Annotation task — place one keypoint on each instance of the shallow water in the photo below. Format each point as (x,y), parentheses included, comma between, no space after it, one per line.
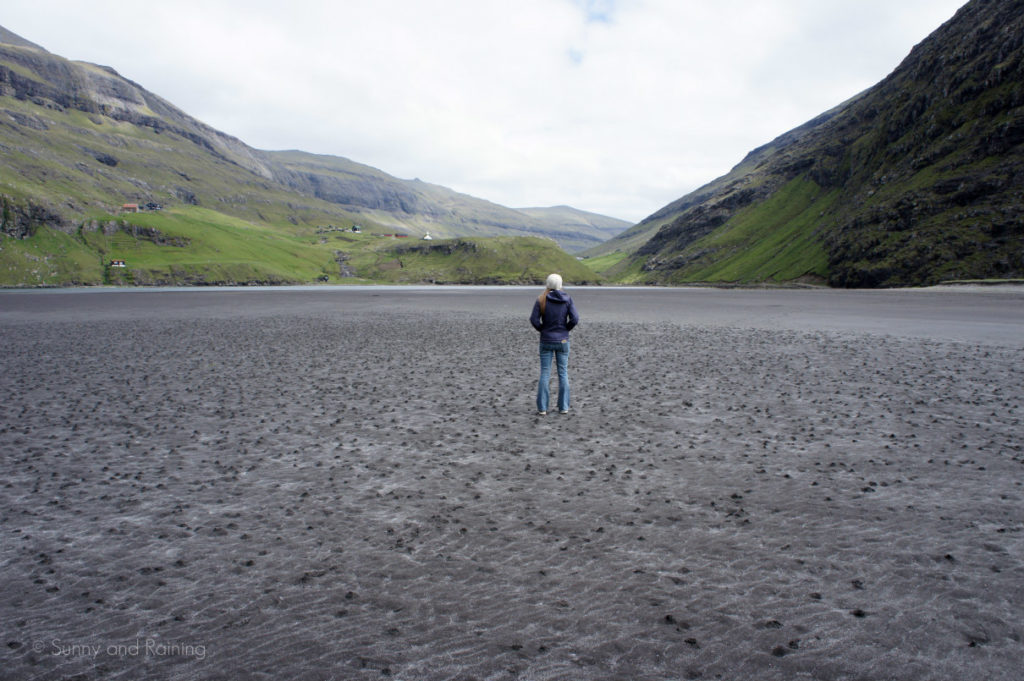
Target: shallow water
(991,315)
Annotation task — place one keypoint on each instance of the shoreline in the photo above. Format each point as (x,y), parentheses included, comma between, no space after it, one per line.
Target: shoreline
(988,315)
(1012,285)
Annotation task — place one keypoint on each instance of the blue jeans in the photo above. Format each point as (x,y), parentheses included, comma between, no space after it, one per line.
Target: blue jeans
(560,353)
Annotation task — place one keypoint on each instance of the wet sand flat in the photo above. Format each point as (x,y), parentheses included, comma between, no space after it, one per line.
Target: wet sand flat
(352,484)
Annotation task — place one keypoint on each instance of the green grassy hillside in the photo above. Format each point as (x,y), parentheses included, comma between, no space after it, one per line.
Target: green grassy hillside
(477,260)
(771,241)
(78,142)
(191,245)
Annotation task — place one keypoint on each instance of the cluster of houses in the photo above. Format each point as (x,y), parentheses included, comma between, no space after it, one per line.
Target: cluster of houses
(139,207)
(355,229)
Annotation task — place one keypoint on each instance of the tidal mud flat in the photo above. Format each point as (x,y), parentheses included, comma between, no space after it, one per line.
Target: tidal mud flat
(353,485)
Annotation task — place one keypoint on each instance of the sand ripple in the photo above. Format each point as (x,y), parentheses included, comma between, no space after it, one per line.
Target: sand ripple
(366,496)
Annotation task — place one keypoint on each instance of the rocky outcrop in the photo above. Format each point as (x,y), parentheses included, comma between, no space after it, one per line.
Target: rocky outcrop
(344,269)
(150,234)
(22,219)
(446,247)
(356,191)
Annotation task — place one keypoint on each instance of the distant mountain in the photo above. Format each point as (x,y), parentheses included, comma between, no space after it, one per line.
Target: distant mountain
(420,207)
(918,180)
(78,141)
(579,228)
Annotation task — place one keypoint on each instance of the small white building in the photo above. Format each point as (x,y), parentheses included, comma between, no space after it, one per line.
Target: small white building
(427,237)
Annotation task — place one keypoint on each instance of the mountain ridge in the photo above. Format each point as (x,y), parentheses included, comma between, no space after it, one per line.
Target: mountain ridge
(437,209)
(79,140)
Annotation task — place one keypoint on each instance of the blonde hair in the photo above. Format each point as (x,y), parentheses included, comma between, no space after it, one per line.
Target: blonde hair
(554,282)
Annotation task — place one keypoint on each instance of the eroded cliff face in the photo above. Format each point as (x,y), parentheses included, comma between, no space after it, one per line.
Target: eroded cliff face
(52,82)
(19,220)
(921,176)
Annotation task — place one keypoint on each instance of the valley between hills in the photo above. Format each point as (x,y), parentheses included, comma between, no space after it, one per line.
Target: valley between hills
(916,181)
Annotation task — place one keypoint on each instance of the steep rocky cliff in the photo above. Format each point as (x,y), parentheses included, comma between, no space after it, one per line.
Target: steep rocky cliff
(918,180)
(33,75)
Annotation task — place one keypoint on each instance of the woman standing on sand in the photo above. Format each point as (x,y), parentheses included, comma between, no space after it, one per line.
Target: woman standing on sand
(554,315)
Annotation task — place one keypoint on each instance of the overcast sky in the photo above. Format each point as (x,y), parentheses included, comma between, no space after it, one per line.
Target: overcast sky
(612,106)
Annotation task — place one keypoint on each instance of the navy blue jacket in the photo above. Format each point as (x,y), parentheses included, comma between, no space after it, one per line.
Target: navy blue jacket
(560,317)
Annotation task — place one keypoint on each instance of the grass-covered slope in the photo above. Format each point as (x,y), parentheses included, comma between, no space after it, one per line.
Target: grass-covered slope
(771,241)
(184,245)
(196,246)
(468,260)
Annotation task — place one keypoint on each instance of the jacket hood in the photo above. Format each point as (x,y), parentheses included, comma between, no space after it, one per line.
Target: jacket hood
(558,295)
